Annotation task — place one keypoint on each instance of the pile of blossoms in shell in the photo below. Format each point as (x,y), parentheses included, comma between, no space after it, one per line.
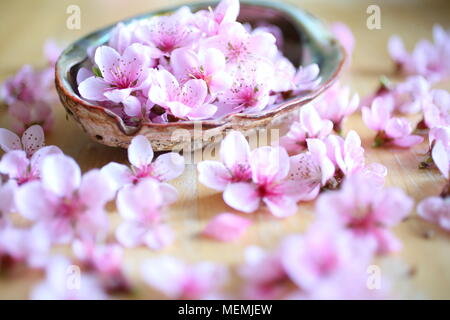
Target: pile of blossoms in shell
(192,66)
(204,65)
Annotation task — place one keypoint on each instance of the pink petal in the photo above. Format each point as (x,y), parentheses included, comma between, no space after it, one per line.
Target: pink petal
(168,166)
(9,140)
(441,158)
(396,49)
(204,111)
(14,164)
(40,155)
(179,109)
(33,139)
(7,192)
(221,81)
(95,190)
(140,152)
(31,201)
(408,141)
(397,128)
(132,202)
(281,206)
(108,60)
(269,164)
(226,227)
(133,107)
(432,208)
(310,119)
(60,174)
(213,174)
(93,88)
(183,61)
(194,93)
(234,149)
(118,174)
(227,11)
(214,61)
(169,193)
(242,197)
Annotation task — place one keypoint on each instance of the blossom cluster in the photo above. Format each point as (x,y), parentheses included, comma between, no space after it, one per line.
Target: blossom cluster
(429,59)
(204,65)
(30,93)
(192,66)
(64,206)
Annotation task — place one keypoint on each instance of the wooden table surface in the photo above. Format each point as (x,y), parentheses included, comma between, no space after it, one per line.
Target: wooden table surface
(420,270)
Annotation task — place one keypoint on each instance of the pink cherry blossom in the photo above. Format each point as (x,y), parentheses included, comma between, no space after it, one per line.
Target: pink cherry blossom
(347,155)
(166,167)
(437,111)
(24,156)
(209,21)
(336,105)
(29,95)
(390,130)
(436,210)
(64,281)
(309,266)
(178,280)
(250,91)
(226,227)
(270,168)
(409,97)
(321,257)
(105,260)
(310,171)
(345,36)
(233,167)
(207,65)
(367,214)
(143,223)
(189,100)
(427,59)
(169,32)
(64,202)
(29,246)
(412,95)
(121,76)
(239,46)
(310,126)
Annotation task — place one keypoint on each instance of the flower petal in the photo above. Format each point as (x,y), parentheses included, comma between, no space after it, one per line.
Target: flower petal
(168,166)
(242,196)
(213,174)
(9,140)
(140,152)
(33,139)
(234,149)
(226,227)
(60,174)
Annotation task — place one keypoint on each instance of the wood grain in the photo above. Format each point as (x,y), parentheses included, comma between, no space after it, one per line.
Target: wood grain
(26,24)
